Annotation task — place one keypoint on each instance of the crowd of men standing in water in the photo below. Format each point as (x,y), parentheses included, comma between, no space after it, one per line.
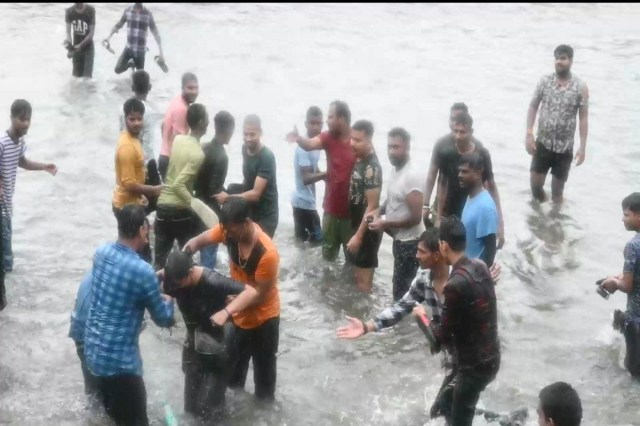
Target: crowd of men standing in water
(443,254)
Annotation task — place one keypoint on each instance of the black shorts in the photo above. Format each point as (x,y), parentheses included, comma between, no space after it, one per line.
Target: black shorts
(559,163)
(367,256)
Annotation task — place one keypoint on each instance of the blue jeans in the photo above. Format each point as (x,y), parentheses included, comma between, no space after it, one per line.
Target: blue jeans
(7,252)
(208,256)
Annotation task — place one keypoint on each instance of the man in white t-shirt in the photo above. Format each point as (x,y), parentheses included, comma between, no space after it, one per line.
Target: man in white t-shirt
(150,135)
(402,211)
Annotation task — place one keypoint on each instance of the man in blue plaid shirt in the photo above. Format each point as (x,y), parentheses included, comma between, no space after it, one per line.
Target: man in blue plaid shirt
(123,286)
(138,19)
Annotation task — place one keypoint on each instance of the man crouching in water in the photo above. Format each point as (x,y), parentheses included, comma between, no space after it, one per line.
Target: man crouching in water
(201,295)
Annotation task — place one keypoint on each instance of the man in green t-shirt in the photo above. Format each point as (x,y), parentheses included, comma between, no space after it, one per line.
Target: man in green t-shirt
(174,218)
(259,170)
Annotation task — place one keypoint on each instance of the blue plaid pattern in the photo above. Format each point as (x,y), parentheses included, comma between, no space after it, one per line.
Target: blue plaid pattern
(421,290)
(137,24)
(123,286)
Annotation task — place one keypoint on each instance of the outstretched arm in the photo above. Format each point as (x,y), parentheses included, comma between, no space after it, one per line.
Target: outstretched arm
(27,164)
(304,143)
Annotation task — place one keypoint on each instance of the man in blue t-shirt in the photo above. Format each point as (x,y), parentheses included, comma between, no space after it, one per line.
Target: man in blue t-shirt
(480,215)
(629,282)
(303,200)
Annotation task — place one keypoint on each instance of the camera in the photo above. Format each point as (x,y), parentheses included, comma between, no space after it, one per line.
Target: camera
(601,290)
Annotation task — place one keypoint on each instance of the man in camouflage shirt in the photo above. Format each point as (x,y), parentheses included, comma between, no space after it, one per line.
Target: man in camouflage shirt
(562,95)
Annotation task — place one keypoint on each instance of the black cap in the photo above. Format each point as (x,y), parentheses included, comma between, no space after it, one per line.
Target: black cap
(177,267)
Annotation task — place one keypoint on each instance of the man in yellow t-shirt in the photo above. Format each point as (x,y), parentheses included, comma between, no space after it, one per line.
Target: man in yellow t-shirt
(253,259)
(129,162)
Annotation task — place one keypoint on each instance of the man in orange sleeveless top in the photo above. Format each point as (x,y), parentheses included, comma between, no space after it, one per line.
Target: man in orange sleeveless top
(253,259)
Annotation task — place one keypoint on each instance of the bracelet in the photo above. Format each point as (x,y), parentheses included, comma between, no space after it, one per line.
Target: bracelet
(364,327)
(227,311)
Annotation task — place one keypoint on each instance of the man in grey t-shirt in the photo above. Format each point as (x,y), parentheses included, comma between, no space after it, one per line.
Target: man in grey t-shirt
(402,210)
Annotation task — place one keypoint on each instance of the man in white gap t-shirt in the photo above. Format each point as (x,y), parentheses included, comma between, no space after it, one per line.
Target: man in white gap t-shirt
(402,210)
(12,155)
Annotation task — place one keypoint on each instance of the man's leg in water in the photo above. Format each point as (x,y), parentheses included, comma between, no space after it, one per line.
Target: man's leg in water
(444,400)
(87,61)
(560,173)
(405,266)
(632,341)
(239,342)
(78,64)
(91,382)
(7,251)
(265,347)
(192,377)
(138,60)
(541,162)
(123,62)
(330,237)
(466,392)
(126,399)
(3,291)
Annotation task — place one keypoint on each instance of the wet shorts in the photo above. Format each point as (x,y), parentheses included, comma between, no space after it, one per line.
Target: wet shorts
(559,163)
(632,340)
(367,256)
(336,232)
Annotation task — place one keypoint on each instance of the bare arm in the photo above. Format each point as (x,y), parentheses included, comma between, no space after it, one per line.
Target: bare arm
(156,35)
(308,177)
(69,32)
(373,200)
(27,164)
(493,190)
(248,297)
(432,174)
(254,194)
(530,143)
(583,113)
(118,25)
(414,200)
(309,144)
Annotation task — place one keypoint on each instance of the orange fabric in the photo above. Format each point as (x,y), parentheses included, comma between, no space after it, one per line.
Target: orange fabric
(129,169)
(267,270)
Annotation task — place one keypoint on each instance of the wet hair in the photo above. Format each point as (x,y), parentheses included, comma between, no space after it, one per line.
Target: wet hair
(133,105)
(342,110)
(430,239)
(235,210)
(452,232)
(224,122)
(176,268)
(364,126)
(253,120)
(313,112)
(399,132)
(187,77)
(195,114)
(20,108)
(141,82)
(464,119)
(130,218)
(460,106)
(632,202)
(473,159)
(563,49)
(560,402)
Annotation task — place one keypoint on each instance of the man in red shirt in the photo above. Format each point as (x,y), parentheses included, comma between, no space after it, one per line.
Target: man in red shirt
(336,222)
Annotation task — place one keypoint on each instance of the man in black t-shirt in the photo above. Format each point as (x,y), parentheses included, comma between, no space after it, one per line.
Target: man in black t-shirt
(364,198)
(201,296)
(260,187)
(81,24)
(213,172)
(445,160)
